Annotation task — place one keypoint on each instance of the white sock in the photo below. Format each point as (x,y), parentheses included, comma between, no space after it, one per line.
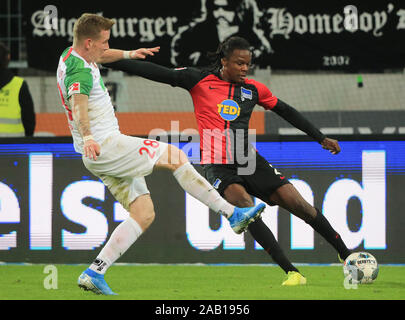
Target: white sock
(194,184)
(121,239)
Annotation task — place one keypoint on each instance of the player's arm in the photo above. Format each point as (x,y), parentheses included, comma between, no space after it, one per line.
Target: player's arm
(112,55)
(291,115)
(295,118)
(79,104)
(181,77)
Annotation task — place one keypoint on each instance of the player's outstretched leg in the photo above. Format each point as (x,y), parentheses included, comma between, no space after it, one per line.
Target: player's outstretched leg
(142,214)
(290,199)
(197,186)
(236,194)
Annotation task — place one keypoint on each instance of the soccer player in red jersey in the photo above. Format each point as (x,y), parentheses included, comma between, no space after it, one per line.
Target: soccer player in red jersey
(224,99)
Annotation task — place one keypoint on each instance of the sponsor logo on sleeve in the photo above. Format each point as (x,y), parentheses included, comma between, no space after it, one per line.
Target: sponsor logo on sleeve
(74,88)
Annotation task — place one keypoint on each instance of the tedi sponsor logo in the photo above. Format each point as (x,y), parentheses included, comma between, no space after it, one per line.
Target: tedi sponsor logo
(229,110)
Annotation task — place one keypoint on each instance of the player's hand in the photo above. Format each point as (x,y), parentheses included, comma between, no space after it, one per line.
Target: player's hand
(91,149)
(142,53)
(331,144)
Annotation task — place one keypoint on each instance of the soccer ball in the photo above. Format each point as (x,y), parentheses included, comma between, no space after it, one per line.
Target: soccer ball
(360,267)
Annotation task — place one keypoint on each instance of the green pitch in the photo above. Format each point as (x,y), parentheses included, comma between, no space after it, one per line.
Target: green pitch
(179,282)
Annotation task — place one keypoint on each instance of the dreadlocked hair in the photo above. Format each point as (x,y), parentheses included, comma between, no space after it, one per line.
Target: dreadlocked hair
(225,50)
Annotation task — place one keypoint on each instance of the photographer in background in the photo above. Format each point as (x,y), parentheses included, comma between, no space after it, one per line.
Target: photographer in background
(17,116)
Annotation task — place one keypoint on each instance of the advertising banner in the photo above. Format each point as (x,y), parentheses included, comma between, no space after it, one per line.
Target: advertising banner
(307,35)
(52,210)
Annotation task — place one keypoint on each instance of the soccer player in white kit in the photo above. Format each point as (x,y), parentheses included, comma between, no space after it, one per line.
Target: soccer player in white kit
(121,161)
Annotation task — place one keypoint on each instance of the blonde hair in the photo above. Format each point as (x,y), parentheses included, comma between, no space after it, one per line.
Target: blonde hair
(89,25)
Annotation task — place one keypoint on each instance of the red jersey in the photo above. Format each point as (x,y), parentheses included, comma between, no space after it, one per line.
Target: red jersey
(222,109)
(223,112)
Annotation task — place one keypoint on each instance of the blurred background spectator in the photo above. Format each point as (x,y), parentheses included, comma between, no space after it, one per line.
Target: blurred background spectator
(17,116)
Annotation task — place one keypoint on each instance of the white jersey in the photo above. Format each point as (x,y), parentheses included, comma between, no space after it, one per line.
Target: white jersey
(75,75)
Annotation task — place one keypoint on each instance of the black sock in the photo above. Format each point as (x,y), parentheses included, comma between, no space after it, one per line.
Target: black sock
(323,227)
(263,235)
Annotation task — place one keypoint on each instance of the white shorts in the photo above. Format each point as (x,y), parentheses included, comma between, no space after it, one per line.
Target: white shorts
(123,163)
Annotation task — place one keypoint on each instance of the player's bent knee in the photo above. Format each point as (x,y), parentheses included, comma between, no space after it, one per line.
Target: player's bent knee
(180,159)
(172,158)
(241,202)
(237,195)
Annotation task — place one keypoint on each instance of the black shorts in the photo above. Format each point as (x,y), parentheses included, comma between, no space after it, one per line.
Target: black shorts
(260,184)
